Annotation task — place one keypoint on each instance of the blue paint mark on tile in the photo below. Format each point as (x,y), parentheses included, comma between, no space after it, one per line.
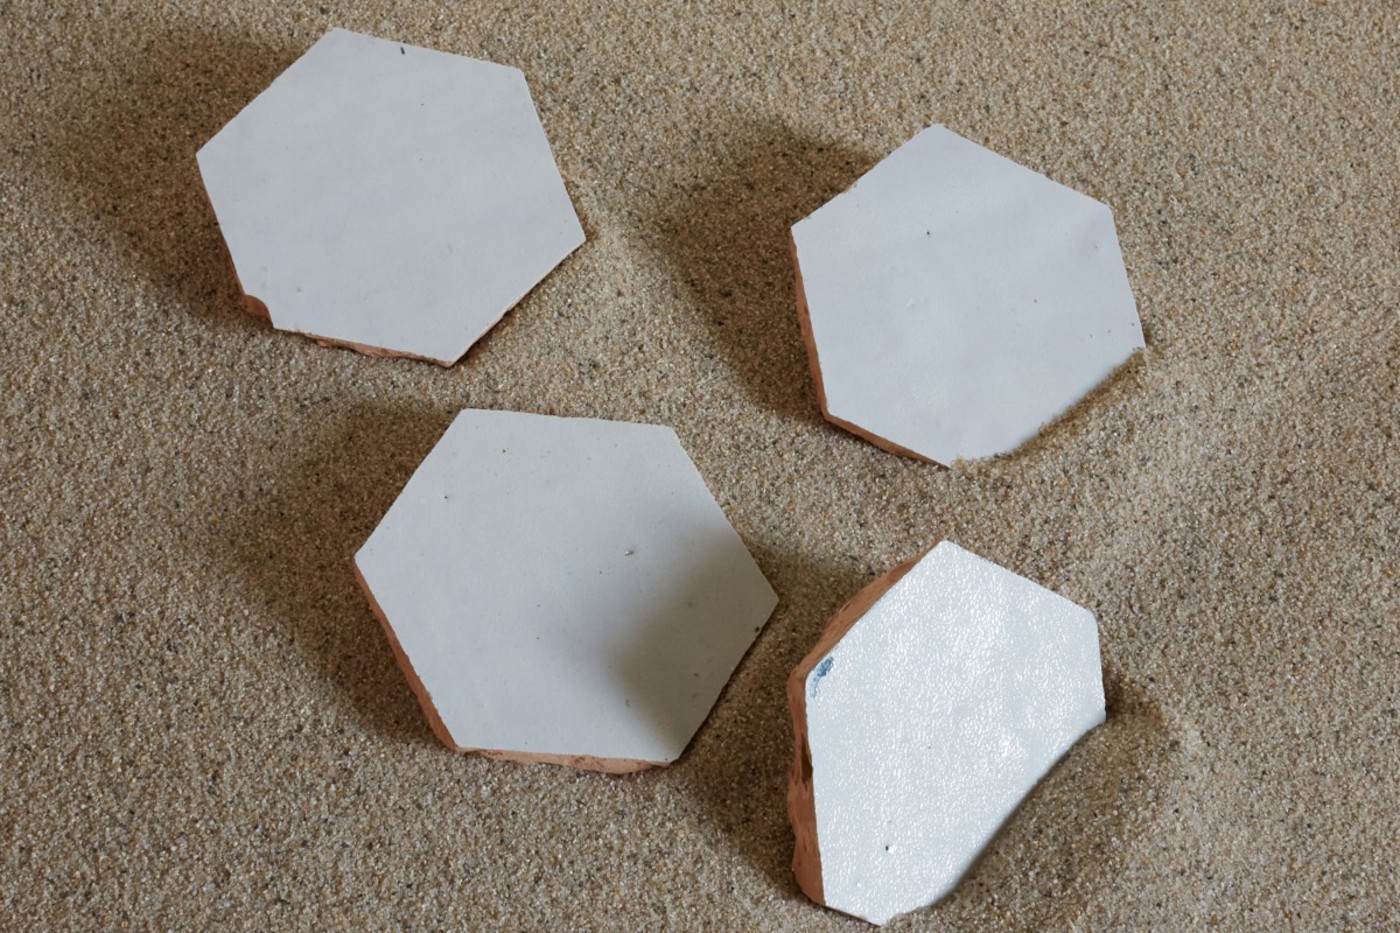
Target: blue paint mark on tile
(823,669)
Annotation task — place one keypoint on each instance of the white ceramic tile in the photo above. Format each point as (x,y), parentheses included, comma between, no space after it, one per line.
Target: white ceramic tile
(956,302)
(929,712)
(390,197)
(564,589)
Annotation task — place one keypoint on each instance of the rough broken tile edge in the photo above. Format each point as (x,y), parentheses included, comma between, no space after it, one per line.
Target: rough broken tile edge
(804,321)
(425,700)
(806,854)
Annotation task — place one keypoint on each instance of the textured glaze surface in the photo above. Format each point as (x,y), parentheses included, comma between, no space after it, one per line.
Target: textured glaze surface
(956,302)
(932,717)
(564,587)
(390,197)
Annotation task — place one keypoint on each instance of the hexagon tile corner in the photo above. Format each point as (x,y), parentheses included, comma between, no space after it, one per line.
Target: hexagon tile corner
(563,590)
(954,302)
(388,198)
(931,705)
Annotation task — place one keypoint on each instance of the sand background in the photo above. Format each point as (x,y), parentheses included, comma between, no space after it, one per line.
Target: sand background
(201,724)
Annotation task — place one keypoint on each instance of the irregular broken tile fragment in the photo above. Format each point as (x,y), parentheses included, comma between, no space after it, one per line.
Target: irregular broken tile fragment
(931,705)
(954,302)
(388,198)
(563,590)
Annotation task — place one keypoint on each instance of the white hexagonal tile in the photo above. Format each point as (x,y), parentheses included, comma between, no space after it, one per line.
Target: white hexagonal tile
(955,302)
(932,704)
(389,198)
(563,590)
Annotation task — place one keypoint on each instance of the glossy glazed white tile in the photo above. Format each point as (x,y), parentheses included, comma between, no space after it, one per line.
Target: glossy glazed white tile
(929,710)
(390,198)
(564,590)
(955,302)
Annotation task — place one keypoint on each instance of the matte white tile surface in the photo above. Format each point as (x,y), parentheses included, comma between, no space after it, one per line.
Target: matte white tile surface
(390,197)
(955,302)
(927,722)
(564,589)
